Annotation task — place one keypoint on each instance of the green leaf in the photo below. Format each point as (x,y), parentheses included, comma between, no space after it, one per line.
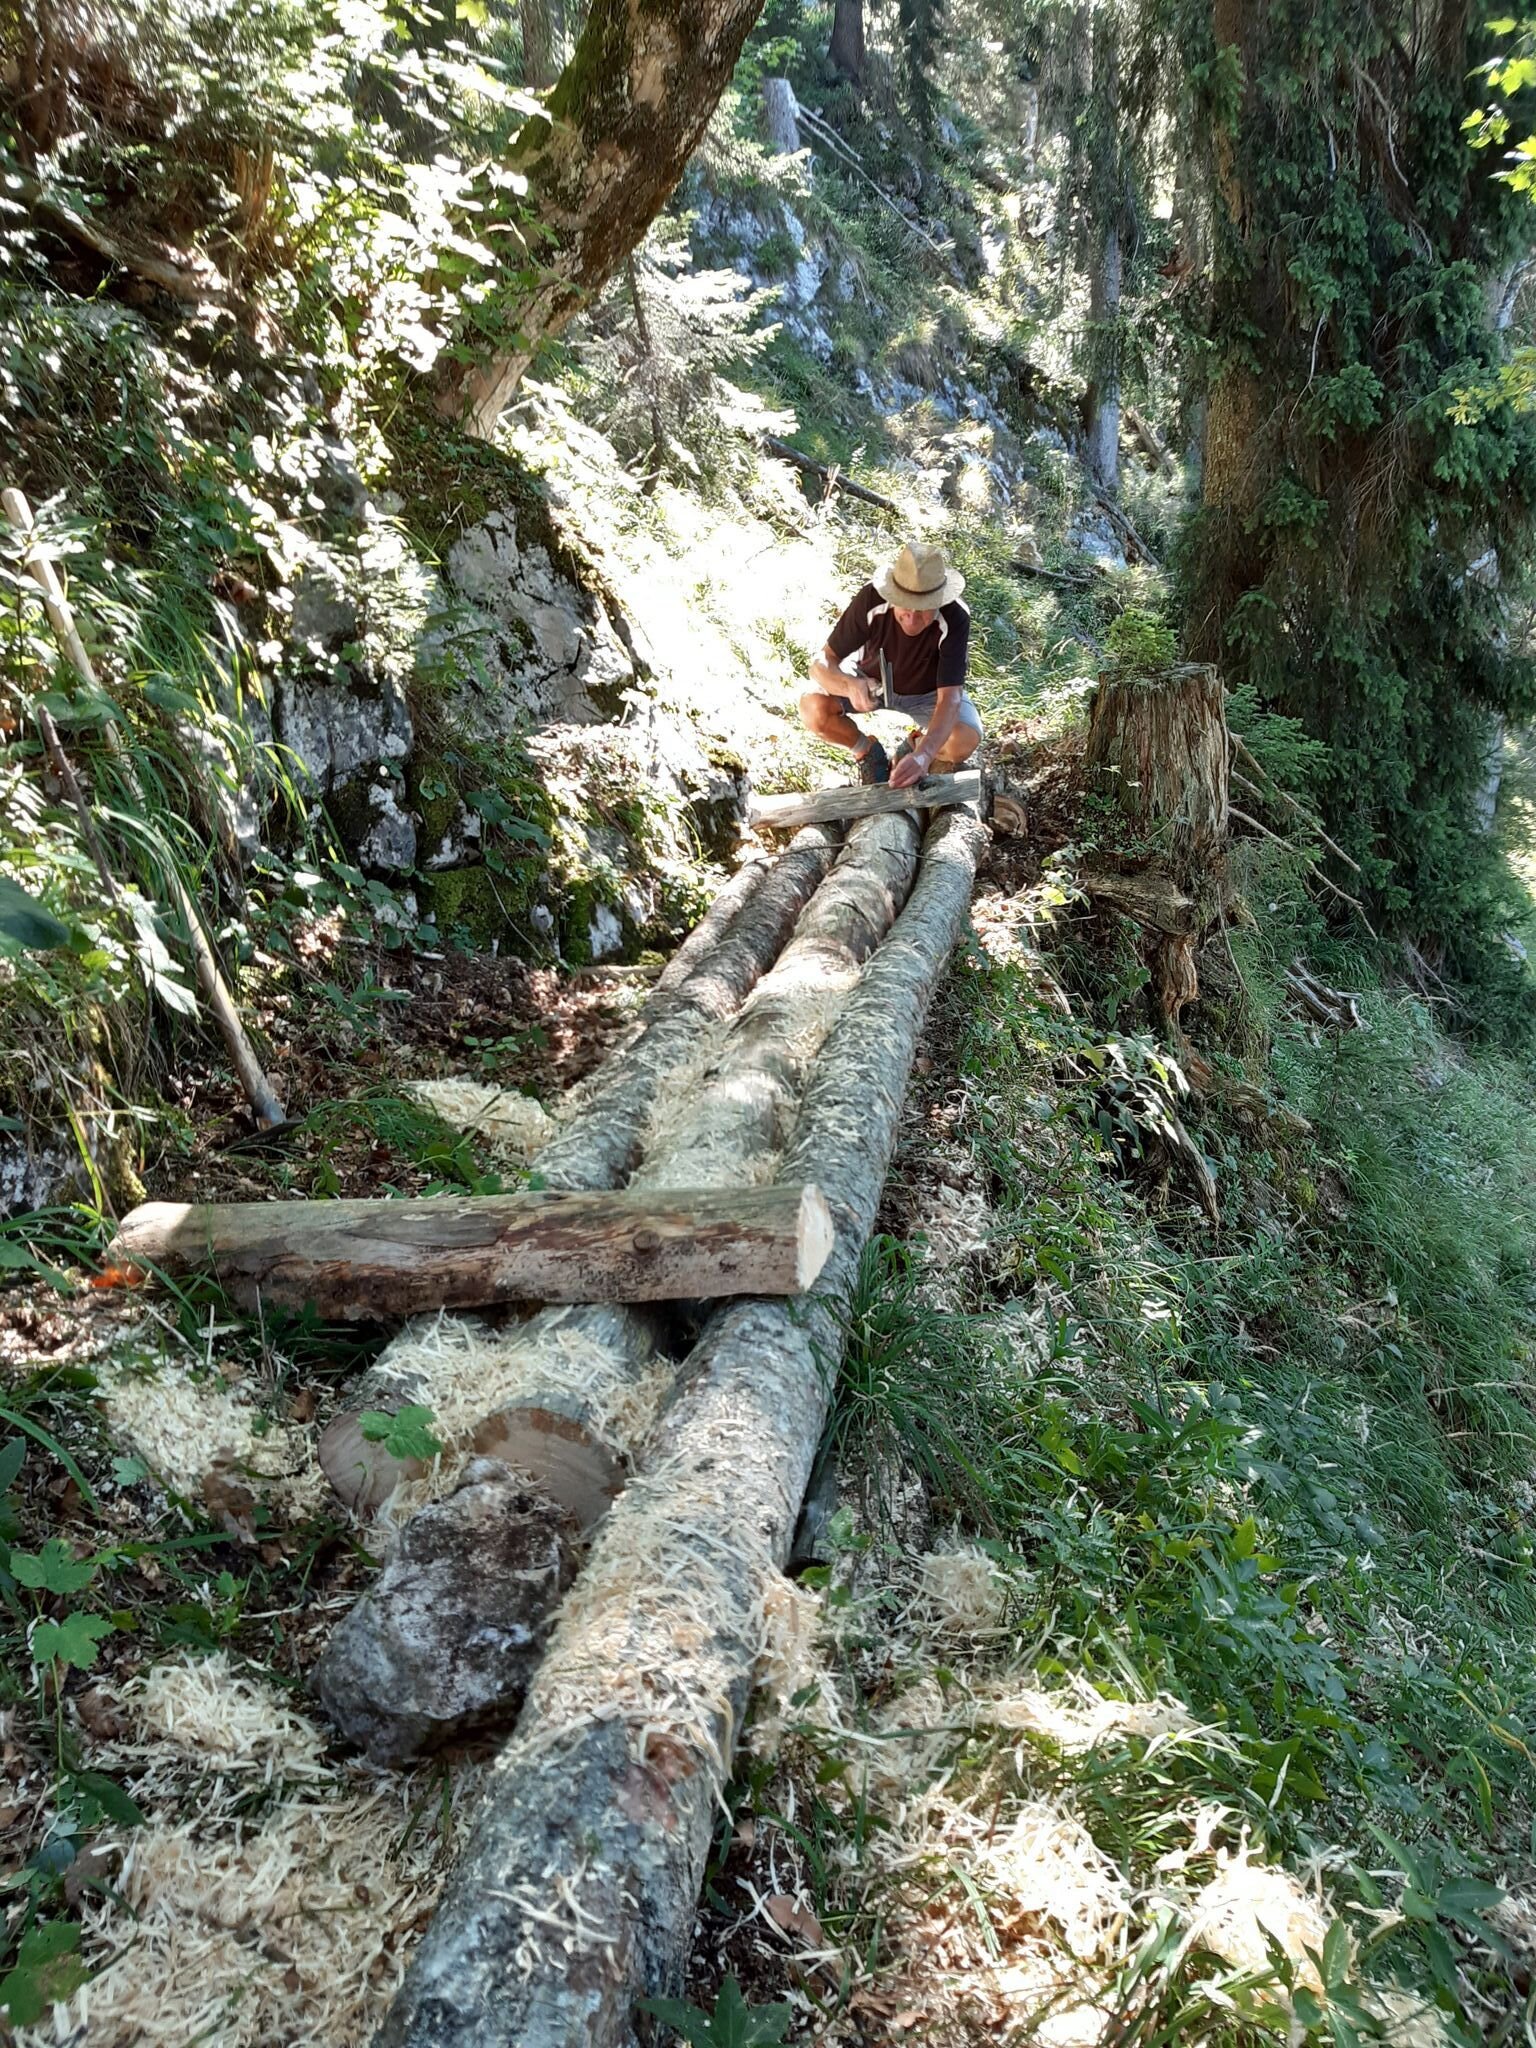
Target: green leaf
(25,922)
(1245,1538)
(128,1471)
(405,1434)
(53,1569)
(12,1455)
(47,1970)
(70,1641)
(1336,1955)
(733,2024)
(114,1802)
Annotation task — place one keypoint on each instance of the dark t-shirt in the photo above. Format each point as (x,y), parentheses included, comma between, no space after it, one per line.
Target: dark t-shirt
(920,662)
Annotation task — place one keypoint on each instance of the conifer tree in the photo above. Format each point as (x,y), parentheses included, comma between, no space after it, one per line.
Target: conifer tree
(1347,486)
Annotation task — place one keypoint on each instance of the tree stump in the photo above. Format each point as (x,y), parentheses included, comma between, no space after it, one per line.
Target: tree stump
(1160,744)
(781,117)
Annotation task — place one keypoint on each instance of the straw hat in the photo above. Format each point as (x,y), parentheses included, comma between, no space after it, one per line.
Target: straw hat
(920,580)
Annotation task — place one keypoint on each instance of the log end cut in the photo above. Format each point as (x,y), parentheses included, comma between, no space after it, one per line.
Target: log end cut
(815,1236)
(362,1474)
(559,1453)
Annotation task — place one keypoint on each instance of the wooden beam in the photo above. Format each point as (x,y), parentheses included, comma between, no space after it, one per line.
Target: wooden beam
(377,1259)
(860,800)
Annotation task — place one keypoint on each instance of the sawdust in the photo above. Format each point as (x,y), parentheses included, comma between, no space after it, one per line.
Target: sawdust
(1248,1901)
(511,1123)
(189,1426)
(962,1592)
(295,1931)
(787,1666)
(205,1709)
(1078,1718)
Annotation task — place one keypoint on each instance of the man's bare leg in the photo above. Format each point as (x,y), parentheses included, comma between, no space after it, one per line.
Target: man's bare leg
(958,749)
(828,718)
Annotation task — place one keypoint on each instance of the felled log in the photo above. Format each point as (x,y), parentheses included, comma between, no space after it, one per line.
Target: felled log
(569,1380)
(377,1259)
(577,1892)
(451,1629)
(566,1430)
(601,1144)
(858,800)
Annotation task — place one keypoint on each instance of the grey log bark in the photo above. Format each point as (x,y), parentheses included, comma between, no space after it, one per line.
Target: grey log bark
(390,1258)
(781,129)
(601,1146)
(574,1436)
(845,52)
(603,1804)
(934,792)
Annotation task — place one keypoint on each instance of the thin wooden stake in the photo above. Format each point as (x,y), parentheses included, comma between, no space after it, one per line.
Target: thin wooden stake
(210,978)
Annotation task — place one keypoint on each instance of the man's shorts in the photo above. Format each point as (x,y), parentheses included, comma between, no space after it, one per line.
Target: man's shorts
(920,709)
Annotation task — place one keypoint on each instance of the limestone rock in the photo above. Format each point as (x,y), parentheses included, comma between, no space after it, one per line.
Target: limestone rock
(447,1637)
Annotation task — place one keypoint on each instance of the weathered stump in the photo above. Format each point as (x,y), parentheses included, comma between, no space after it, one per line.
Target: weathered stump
(781,117)
(1159,743)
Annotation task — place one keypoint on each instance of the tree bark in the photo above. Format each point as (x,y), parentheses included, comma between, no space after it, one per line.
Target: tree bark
(1112,226)
(623,120)
(624,1745)
(540,69)
(821,806)
(781,128)
(377,1259)
(845,52)
(1160,744)
(601,1145)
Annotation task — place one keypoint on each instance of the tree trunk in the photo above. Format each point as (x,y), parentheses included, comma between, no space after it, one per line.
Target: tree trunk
(845,52)
(781,126)
(821,806)
(623,120)
(540,69)
(601,1145)
(1111,206)
(389,1258)
(624,1745)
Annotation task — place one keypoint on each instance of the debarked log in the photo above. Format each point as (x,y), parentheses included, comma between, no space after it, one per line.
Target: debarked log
(600,1145)
(577,1892)
(857,800)
(377,1259)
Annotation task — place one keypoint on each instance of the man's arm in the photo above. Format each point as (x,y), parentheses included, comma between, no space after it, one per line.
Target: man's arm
(834,681)
(914,766)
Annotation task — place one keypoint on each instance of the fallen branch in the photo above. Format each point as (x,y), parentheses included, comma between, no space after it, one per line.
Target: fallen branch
(375,1258)
(608,1791)
(858,800)
(1291,804)
(1328,883)
(830,139)
(1152,443)
(1127,532)
(833,478)
(1327,1006)
(210,978)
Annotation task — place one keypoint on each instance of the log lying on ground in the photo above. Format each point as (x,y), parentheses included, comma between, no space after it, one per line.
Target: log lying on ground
(587,1362)
(576,1894)
(601,1145)
(564,1412)
(857,800)
(732,1123)
(1149,898)
(380,1258)
(831,479)
(1331,1007)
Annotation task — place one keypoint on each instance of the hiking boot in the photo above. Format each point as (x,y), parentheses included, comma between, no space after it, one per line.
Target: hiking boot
(874,764)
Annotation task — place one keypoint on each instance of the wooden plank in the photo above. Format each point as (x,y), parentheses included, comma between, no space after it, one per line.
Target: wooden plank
(859,800)
(377,1259)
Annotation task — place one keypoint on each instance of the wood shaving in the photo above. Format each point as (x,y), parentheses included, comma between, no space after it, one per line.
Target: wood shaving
(511,1123)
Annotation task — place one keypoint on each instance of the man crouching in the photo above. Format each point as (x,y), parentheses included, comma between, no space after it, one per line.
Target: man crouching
(913,617)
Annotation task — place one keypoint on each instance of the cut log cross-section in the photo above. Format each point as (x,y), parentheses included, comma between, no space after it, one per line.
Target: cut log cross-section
(608,1791)
(384,1258)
